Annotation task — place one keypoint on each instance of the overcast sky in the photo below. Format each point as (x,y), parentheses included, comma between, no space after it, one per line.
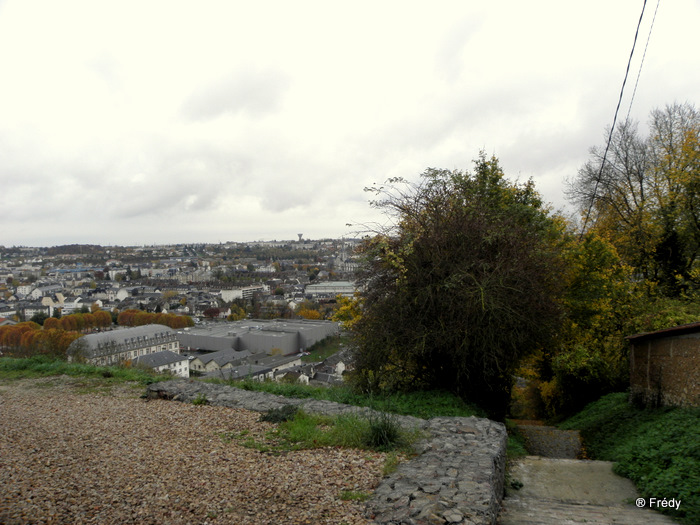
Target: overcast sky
(149,122)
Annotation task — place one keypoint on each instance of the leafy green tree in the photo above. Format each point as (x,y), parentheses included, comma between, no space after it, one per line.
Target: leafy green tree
(604,304)
(590,357)
(466,282)
(39,318)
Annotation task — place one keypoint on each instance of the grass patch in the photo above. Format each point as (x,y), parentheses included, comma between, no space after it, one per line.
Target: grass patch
(658,449)
(12,368)
(391,463)
(200,399)
(354,495)
(299,430)
(424,405)
(325,348)
(516,441)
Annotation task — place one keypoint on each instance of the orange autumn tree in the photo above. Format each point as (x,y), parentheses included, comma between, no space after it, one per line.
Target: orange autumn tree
(133,317)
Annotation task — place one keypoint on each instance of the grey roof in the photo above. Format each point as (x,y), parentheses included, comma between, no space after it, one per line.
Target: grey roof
(239,372)
(255,334)
(321,378)
(127,334)
(272,361)
(334,359)
(220,358)
(137,337)
(166,357)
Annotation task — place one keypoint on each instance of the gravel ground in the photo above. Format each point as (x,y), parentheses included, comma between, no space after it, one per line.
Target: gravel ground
(75,452)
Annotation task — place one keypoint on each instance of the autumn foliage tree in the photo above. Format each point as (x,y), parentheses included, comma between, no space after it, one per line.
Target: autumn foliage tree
(82,322)
(645,198)
(348,311)
(466,282)
(26,339)
(212,313)
(308,313)
(237,313)
(133,317)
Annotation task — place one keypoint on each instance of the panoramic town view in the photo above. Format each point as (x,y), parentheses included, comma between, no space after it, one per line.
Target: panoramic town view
(75,296)
(310,263)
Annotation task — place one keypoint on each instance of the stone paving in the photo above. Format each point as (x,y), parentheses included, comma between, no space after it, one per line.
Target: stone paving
(457,476)
(550,442)
(569,491)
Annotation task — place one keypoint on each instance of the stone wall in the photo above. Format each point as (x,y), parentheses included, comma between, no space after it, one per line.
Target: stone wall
(666,370)
(457,476)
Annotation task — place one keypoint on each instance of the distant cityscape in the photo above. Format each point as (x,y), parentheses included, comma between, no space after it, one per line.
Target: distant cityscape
(181,278)
(267,296)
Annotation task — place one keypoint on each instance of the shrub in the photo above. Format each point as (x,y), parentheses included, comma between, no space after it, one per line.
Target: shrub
(201,399)
(384,432)
(280,415)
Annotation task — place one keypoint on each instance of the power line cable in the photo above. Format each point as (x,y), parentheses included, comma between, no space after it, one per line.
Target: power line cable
(639,73)
(612,128)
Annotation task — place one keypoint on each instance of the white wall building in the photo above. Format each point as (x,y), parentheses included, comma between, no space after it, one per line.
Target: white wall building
(166,362)
(118,346)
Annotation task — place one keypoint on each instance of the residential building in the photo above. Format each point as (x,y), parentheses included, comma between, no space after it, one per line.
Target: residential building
(166,361)
(117,346)
(331,289)
(245,292)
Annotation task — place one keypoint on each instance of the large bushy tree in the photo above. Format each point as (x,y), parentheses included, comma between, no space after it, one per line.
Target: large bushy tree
(465,283)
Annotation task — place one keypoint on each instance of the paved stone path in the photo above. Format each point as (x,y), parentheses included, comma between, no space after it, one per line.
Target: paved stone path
(550,442)
(558,491)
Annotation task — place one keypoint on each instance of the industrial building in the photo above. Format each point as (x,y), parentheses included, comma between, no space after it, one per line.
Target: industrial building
(273,337)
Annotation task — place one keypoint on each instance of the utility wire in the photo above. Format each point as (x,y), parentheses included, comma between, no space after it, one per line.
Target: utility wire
(639,73)
(612,128)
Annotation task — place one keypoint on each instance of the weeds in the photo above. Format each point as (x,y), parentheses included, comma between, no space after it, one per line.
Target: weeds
(201,399)
(516,441)
(354,495)
(391,463)
(298,430)
(384,432)
(279,415)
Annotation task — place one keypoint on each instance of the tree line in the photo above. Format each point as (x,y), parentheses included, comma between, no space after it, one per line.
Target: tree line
(476,280)
(56,334)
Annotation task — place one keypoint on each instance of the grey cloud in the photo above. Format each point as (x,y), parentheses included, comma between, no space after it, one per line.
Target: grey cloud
(250,90)
(178,179)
